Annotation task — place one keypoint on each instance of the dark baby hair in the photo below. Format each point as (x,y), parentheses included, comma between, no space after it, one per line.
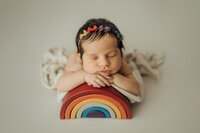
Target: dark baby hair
(92,36)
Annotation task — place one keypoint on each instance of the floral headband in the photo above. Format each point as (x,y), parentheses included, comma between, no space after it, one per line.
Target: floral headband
(101,28)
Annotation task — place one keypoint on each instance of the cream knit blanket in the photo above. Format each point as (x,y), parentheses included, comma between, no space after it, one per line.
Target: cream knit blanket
(141,63)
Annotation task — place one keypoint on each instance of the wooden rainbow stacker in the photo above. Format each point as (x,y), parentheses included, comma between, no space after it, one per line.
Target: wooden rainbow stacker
(88,101)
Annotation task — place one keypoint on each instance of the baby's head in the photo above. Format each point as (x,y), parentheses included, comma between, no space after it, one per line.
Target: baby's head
(99,44)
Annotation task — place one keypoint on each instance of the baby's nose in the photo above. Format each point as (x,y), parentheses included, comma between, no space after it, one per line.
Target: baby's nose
(104,62)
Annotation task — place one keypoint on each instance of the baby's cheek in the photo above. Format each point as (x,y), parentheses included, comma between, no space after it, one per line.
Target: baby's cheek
(119,67)
(89,68)
(116,66)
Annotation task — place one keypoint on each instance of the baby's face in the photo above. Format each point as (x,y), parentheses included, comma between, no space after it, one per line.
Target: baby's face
(101,56)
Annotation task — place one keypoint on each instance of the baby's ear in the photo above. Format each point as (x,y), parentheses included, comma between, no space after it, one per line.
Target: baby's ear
(79,57)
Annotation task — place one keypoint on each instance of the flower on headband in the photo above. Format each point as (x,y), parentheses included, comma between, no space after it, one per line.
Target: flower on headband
(84,34)
(119,35)
(115,32)
(106,29)
(95,28)
(101,28)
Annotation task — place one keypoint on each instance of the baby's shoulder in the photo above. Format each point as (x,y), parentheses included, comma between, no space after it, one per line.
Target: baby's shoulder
(73,62)
(73,55)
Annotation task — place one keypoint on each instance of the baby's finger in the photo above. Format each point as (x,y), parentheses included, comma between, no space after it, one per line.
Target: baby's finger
(100,82)
(111,81)
(95,84)
(109,77)
(89,83)
(103,79)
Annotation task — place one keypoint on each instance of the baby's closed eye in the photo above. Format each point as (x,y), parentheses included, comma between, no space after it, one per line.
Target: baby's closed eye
(112,55)
(93,57)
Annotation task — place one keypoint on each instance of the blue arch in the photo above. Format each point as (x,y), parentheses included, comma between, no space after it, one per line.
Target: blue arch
(96,108)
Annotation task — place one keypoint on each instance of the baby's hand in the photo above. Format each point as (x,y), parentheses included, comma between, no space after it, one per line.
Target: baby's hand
(97,80)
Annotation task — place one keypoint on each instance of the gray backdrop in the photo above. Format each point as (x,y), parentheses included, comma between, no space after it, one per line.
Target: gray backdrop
(29,28)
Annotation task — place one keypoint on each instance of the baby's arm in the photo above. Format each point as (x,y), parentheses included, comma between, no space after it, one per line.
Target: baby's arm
(125,80)
(73,74)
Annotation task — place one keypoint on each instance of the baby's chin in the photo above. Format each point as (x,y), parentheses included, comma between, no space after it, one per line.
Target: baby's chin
(103,74)
(107,74)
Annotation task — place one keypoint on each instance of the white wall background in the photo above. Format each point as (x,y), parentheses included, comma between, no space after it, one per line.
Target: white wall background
(28,28)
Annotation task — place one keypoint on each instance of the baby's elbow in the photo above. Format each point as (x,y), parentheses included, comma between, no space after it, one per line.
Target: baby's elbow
(137,89)
(137,92)
(61,85)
